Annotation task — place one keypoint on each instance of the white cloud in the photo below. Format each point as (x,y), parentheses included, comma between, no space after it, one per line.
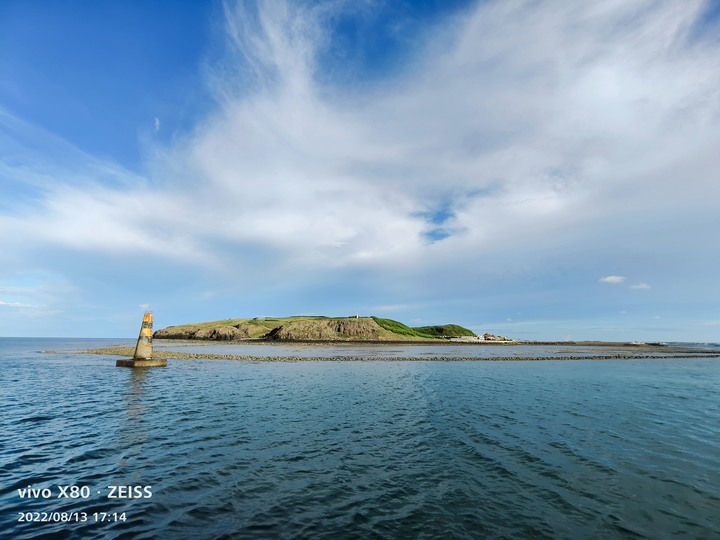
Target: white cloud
(527,136)
(612,279)
(640,286)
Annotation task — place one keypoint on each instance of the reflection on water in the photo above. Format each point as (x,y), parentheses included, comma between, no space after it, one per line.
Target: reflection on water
(135,391)
(132,433)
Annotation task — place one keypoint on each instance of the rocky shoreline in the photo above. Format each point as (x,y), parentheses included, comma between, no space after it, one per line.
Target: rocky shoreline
(646,355)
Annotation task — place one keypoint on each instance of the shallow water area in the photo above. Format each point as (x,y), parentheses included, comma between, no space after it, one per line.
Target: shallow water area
(389,350)
(392,449)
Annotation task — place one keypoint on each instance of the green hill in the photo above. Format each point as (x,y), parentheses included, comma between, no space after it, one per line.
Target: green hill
(444,330)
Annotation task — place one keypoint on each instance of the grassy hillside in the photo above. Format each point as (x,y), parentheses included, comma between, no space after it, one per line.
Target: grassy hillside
(439,331)
(400,329)
(304,327)
(444,330)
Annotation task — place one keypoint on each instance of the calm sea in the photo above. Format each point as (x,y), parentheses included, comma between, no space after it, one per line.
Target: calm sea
(212,449)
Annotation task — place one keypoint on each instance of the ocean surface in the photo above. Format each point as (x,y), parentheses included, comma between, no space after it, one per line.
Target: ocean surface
(211,449)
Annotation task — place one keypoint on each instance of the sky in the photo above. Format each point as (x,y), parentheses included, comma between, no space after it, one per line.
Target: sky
(540,170)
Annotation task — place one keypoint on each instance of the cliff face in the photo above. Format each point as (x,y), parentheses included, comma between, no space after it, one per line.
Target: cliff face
(218,333)
(331,330)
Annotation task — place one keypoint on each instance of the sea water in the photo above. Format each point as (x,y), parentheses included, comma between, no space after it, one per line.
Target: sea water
(384,449)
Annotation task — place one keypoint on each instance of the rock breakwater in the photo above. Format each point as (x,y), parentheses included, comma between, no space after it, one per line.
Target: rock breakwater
(124,351)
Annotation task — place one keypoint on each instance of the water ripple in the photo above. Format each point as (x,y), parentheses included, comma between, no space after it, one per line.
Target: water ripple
(365,450)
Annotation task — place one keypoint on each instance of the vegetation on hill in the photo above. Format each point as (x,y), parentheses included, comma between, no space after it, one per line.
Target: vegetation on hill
(444,330)
(399,328)
(425,332)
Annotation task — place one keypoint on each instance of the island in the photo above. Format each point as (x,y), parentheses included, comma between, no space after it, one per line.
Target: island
(320,328)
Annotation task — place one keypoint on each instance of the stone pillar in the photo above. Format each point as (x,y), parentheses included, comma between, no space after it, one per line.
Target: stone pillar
(143,349)
(143,356)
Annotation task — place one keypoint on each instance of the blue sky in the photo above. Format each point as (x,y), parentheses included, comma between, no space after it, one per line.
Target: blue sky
(542,170)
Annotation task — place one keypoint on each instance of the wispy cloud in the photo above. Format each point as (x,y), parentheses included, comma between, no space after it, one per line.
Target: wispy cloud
(517,151)
(640,286)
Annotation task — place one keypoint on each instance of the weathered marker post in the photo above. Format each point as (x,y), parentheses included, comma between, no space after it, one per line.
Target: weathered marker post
(143,356)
